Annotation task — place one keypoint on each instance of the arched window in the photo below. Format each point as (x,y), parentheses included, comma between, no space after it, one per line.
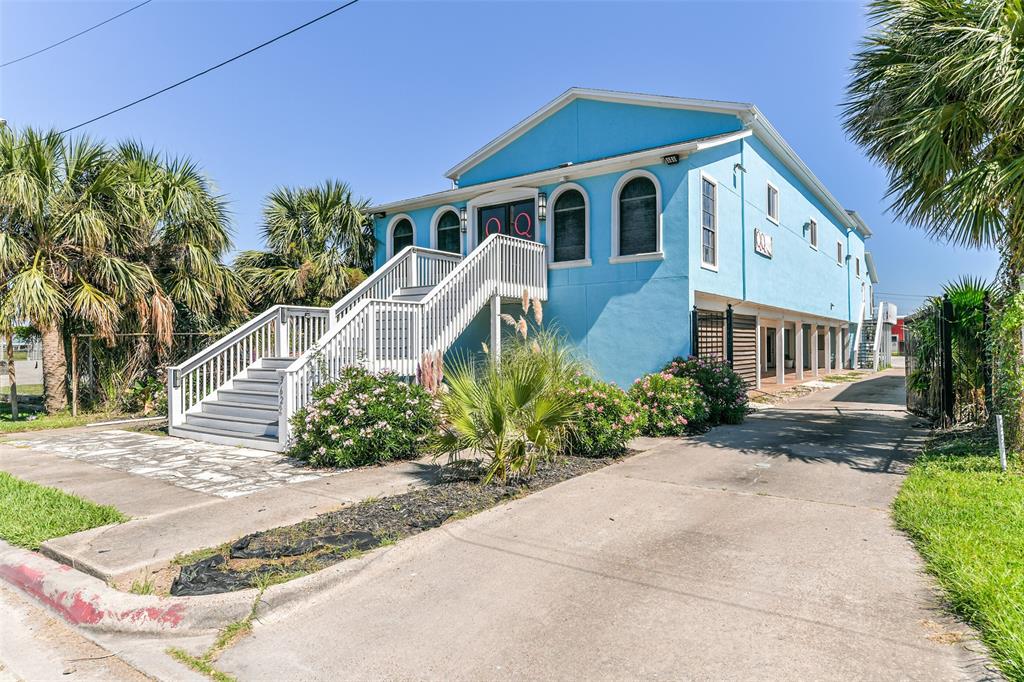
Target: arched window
(569,227)
(638,217)
(449,235)
(401,235)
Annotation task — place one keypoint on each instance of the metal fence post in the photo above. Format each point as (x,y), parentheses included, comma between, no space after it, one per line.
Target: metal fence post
(946,335)
(694,344)
(729,335)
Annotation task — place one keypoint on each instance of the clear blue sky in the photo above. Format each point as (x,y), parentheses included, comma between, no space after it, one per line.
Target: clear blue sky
(387,95)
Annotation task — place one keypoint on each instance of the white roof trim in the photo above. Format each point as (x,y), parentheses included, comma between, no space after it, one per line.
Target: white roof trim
(565,173)
(587,93)
(869,260)
(748,113)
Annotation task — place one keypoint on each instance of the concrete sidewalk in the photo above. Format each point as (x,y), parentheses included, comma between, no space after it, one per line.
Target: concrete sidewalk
(760,551)
(168,519)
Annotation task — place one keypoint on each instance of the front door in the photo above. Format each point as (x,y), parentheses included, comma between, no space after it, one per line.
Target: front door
(516,219)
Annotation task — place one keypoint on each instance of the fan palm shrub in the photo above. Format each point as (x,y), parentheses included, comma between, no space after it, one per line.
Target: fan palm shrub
(935,98)
(105,241)
(320,245)
(512,411)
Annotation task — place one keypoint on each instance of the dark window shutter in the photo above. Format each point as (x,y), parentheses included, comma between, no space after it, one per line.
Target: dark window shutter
(638,217)
(570,227)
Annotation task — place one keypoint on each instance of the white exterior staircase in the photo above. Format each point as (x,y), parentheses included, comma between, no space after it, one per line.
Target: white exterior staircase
(244,388)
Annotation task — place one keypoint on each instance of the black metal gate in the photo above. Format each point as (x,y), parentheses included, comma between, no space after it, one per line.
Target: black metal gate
(929,361)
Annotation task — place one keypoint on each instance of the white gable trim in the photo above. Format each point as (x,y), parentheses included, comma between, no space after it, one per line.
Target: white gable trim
(587,93)
(748,113)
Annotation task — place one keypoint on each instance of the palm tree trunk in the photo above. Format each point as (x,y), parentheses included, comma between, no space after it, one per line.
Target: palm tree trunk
(12,377)
(55,370)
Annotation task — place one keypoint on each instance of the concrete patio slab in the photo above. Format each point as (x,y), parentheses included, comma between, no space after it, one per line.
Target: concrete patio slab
(220,470)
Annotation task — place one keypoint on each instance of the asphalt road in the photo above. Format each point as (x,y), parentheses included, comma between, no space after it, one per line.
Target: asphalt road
(760,551)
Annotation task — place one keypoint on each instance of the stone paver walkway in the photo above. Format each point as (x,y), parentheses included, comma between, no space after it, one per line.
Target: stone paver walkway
(220,470)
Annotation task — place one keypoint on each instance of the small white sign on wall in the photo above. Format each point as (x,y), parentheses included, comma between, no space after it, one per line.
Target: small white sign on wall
(763,243)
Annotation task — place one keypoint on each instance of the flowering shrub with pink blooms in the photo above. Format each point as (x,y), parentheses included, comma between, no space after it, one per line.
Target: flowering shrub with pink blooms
(363,418)
(607,420)
(671,406)
(724,390)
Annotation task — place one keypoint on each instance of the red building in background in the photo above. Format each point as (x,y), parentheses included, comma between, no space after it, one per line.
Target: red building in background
(898,338)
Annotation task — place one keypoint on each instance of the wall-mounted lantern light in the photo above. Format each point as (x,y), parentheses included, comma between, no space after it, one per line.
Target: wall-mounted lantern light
(670,159)
(542,206)
(463,218)
(380,214)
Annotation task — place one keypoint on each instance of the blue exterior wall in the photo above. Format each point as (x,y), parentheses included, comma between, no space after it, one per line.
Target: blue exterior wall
(585,130)
(630,318)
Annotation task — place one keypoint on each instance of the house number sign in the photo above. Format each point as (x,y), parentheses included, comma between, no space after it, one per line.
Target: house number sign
(762,243)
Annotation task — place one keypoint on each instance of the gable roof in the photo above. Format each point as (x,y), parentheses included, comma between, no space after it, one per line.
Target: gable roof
(749,114)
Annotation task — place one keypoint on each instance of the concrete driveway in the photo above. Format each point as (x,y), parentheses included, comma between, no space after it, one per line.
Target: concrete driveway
(758,551)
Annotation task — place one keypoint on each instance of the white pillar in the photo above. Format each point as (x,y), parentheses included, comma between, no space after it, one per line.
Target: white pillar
(780,352)
(757,350)
(828,349)
(798,350)
(838,362)
(496,327)
(814,348)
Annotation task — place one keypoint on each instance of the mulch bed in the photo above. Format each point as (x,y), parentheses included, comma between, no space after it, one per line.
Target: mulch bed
(289,552)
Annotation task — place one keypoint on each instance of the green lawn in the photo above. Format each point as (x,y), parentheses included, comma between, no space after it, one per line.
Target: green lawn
(34,390)
(967,520)
(37,421)
(31,513)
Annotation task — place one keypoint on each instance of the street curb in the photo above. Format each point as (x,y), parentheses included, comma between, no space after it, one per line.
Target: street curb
(90,603)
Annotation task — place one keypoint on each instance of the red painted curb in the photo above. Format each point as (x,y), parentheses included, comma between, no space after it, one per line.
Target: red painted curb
(88,602)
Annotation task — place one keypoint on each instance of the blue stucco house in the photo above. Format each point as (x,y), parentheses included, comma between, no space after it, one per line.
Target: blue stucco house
(653,227)
(672,226)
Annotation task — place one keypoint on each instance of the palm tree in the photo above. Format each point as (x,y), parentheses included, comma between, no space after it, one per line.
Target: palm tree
(88,241)
(936,99)
(320,245)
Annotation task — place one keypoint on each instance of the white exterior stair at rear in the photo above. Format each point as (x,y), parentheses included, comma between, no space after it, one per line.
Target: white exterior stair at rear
(244,388)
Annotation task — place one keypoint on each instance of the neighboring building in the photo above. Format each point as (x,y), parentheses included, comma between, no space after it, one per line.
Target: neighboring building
(653,227)
(898,338)
(657,207)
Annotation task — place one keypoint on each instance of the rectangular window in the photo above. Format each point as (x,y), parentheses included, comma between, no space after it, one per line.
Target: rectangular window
(773,203)
(856,262)
(813,233)
(709,223)
(839,253)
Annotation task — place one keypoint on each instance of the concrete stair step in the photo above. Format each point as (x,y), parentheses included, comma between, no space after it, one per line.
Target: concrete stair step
(226,422)
(235,395)
(275,363)
(269,386)
(261,373)
(237,409)
(224,437)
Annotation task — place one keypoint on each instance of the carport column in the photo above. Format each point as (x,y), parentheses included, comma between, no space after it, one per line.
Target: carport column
(780,352)
(757,350)
(837,364)
(814,348)
(798,350)
(828,349)
(496,327)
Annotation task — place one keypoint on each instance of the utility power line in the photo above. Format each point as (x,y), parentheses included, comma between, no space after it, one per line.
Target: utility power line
(209,69)
(72,37)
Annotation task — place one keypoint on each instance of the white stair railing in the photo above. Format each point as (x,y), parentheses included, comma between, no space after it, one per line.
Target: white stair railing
(279,331)
(392,335)
(413,266)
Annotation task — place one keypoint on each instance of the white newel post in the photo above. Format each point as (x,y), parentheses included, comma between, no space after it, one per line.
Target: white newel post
(371,337)
(285,410)
(496,327)
(416,345)
(780,352)
(281,337)
(174,397)
(413,274)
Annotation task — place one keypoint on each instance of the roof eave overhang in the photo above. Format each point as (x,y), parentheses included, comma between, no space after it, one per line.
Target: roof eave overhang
(565,173)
